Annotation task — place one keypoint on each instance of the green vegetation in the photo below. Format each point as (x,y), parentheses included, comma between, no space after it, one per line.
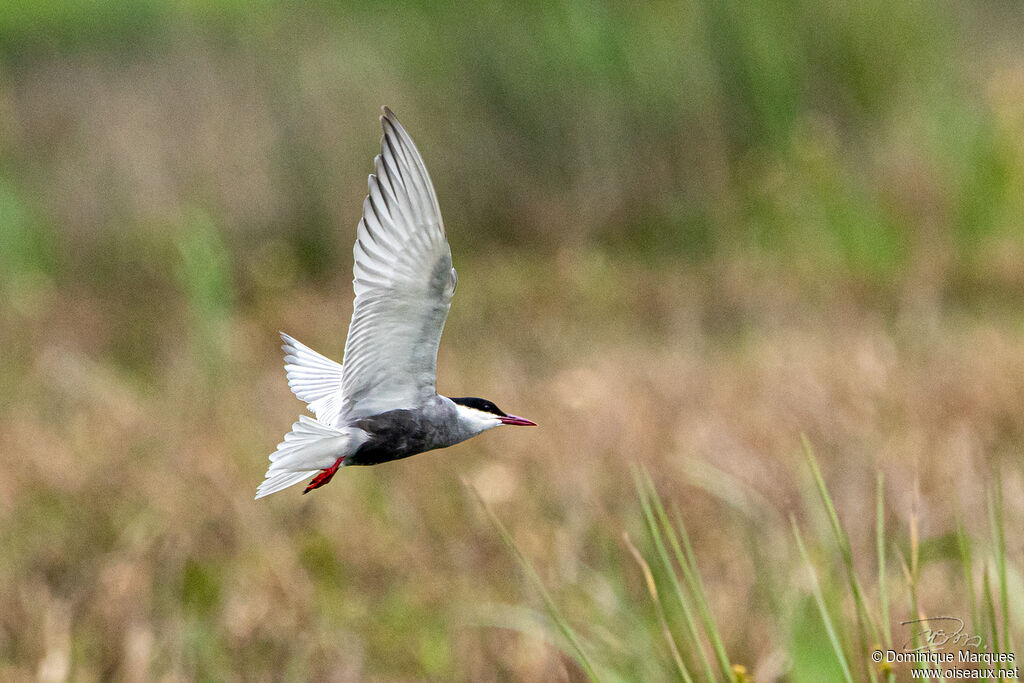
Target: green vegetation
(686,233)
(849,616)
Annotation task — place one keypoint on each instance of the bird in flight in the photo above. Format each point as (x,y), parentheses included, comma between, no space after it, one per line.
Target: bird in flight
(382,403)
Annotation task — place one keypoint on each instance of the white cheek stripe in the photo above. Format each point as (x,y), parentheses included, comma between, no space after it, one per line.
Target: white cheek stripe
(477,419)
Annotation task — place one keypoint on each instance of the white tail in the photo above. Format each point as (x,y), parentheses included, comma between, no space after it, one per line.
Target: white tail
(310,447)
(314,378)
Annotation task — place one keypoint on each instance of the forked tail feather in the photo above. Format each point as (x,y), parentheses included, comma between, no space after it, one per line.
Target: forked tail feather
(310,447)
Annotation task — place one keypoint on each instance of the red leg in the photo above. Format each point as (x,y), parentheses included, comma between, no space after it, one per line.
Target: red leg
(324,476)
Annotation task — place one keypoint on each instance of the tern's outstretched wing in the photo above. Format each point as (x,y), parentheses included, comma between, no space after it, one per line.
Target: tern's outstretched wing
(403,283)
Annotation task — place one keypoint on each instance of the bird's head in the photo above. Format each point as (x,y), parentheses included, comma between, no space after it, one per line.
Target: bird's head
(479,414)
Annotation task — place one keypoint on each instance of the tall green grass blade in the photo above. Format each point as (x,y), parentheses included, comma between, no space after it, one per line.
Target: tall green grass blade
(687,561)
(912,573)
(998,534)
(652,588)
(842,540)
(963,544)
(999,550)
(561,622)
(989,610)
(669,570)
(912,596)
(819,598)
(883,592)
(696,585)
(883,571)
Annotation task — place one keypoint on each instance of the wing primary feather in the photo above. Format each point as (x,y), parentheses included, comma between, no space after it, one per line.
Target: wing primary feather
(411,180)
(402,283)
(415,159)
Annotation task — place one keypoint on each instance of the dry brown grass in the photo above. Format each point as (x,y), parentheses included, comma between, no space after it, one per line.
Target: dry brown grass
(134,548)
(683,241)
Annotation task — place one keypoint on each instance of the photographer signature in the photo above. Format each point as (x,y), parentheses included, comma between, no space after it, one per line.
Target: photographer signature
(937,638)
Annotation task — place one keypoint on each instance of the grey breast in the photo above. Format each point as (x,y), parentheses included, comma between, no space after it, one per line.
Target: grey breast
(400,433)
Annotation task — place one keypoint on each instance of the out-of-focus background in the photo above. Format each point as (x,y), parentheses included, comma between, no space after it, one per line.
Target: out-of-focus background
(686,234)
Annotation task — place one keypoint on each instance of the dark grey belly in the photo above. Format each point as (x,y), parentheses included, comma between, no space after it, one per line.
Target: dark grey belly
(398,434)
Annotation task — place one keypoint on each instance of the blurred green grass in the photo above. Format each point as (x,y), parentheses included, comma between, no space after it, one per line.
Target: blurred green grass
(686,234)
(857,135)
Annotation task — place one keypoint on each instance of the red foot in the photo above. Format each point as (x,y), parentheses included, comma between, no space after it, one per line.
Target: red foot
(324,476)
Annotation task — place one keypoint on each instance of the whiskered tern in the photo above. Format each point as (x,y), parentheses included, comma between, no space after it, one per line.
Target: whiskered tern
(382,404)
